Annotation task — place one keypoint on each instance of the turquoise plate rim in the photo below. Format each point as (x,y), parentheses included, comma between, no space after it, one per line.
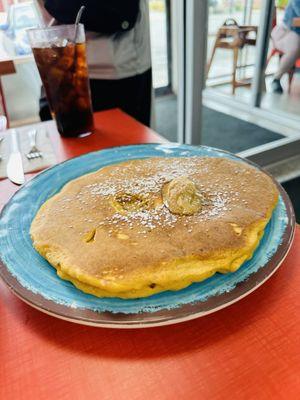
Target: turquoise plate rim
(166,316)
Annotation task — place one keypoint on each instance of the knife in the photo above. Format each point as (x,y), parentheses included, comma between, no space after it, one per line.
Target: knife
(14,167)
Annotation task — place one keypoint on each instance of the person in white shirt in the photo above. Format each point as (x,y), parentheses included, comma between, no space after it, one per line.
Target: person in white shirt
(118,53)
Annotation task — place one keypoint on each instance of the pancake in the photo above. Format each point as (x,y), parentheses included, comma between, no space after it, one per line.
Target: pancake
(141,227)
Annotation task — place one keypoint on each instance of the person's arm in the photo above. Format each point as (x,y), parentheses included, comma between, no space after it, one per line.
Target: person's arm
(43,13)
(104,16)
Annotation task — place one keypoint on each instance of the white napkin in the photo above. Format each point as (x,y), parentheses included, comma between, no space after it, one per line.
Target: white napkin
(43,144)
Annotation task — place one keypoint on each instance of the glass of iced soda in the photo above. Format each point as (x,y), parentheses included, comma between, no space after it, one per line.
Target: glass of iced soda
(61,61)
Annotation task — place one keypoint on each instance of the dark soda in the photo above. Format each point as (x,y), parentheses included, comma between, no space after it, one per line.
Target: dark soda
(64,74)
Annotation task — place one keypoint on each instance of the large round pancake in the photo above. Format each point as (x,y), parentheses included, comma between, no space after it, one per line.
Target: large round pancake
(136,250)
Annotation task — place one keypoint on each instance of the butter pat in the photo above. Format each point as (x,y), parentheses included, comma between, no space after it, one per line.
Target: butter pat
(181,197)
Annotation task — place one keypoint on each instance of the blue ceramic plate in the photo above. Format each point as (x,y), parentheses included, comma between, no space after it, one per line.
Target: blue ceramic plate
(35,281)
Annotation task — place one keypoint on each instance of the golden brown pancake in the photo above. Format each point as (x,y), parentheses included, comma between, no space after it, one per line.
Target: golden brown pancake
(144,226)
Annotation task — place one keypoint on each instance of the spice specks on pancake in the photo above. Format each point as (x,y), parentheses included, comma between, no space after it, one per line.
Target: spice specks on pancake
(111,233)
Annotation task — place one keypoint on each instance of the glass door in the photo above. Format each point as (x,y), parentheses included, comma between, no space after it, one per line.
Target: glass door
(231,58)
(163,40)
(160,45)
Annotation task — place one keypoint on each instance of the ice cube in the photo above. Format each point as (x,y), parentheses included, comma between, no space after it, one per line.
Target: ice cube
(83,103)
(45,56)
(65,63)
(59,42)
(69,50)
(55,76)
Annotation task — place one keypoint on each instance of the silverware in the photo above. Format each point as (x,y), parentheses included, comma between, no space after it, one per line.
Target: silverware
(34,151)
(3,123)
(1,138)
(14,167)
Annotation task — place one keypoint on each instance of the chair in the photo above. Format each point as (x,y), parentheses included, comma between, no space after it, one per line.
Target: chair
(291,72)
(6,67)
(233,37)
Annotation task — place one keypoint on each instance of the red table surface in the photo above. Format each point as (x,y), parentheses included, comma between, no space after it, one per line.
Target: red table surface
(250,350)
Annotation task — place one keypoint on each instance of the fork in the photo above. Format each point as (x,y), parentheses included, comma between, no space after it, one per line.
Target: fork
(34,151)
(3,126)
(1,138)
